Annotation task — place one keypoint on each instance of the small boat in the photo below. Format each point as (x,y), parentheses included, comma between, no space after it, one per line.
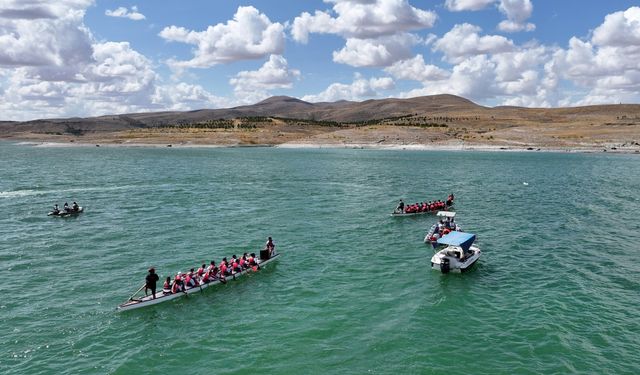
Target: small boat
(433,232)
(63,213)
(459,255)
(136,303)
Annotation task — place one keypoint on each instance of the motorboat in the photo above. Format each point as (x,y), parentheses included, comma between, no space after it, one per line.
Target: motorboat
(448,225)
(459,255)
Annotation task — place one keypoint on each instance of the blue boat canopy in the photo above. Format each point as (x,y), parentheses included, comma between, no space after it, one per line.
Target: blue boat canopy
(462,239)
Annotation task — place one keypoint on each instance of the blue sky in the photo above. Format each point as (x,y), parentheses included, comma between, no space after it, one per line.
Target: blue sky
(90,57)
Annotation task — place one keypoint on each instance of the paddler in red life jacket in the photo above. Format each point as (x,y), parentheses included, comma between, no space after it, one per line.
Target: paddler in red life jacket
(243,261)
(178,284)
(190,281)
(205,278)
(201,270)
(166,288)
(223,267)
(211,266)
(253,262)
(235,265)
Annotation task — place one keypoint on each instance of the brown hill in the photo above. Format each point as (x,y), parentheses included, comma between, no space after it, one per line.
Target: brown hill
(427,120)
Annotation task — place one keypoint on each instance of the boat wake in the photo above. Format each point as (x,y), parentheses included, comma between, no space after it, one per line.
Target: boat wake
(35,192)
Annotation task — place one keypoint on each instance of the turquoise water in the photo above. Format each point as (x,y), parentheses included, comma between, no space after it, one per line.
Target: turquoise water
(556,290)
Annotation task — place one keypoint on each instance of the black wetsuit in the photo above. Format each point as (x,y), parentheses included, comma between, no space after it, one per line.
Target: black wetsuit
(151,280)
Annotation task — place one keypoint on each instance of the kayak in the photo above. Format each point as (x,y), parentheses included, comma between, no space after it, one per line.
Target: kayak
(63,213)
(137,303)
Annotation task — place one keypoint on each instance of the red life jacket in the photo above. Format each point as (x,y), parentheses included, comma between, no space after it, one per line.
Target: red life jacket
(175,288)
(223,268)
(200,271)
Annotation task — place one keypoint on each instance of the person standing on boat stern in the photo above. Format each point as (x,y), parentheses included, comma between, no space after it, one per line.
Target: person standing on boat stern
(150,282)
(270,246)
(400,207)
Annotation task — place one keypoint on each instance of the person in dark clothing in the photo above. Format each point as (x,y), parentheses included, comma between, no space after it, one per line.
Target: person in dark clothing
(400,207)
(150,282)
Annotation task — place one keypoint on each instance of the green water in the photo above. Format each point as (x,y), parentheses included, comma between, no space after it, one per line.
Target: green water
(556,290)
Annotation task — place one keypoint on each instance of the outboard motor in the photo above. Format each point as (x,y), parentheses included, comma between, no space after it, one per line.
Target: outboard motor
(444,265)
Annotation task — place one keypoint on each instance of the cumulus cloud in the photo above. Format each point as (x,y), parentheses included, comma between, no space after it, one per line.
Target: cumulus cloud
(360,89)
(619,29)
(517,12)
(462,5)
(183,96)
(249,35)
(464,41)
(123,12)
(377,32)
(363,19)
(253,86)
(377,52)
(417,70)
(607,65)
(51,66)
(42,34)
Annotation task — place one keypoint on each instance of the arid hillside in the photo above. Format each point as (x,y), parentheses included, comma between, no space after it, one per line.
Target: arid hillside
(440,120)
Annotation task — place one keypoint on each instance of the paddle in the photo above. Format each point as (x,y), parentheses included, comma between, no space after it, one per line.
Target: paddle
(136,292)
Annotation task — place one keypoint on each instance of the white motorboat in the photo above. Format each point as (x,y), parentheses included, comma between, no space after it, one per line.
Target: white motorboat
(435,232)
(135,303)
(459,255)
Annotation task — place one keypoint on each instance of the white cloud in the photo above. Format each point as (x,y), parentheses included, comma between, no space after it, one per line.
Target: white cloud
(415,69)
(253,86)
(606,67)
(360,89)
(517,12)
(40,34)
(249,35)
(50,66)
(464,41)
(619,29)
(183,96)
(363,19)
(123,12)
(382,51)
(462,5)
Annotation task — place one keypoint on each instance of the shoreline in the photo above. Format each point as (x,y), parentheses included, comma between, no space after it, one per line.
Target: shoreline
(353,146)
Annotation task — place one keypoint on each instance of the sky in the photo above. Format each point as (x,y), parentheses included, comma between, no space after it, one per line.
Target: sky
(80,58)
